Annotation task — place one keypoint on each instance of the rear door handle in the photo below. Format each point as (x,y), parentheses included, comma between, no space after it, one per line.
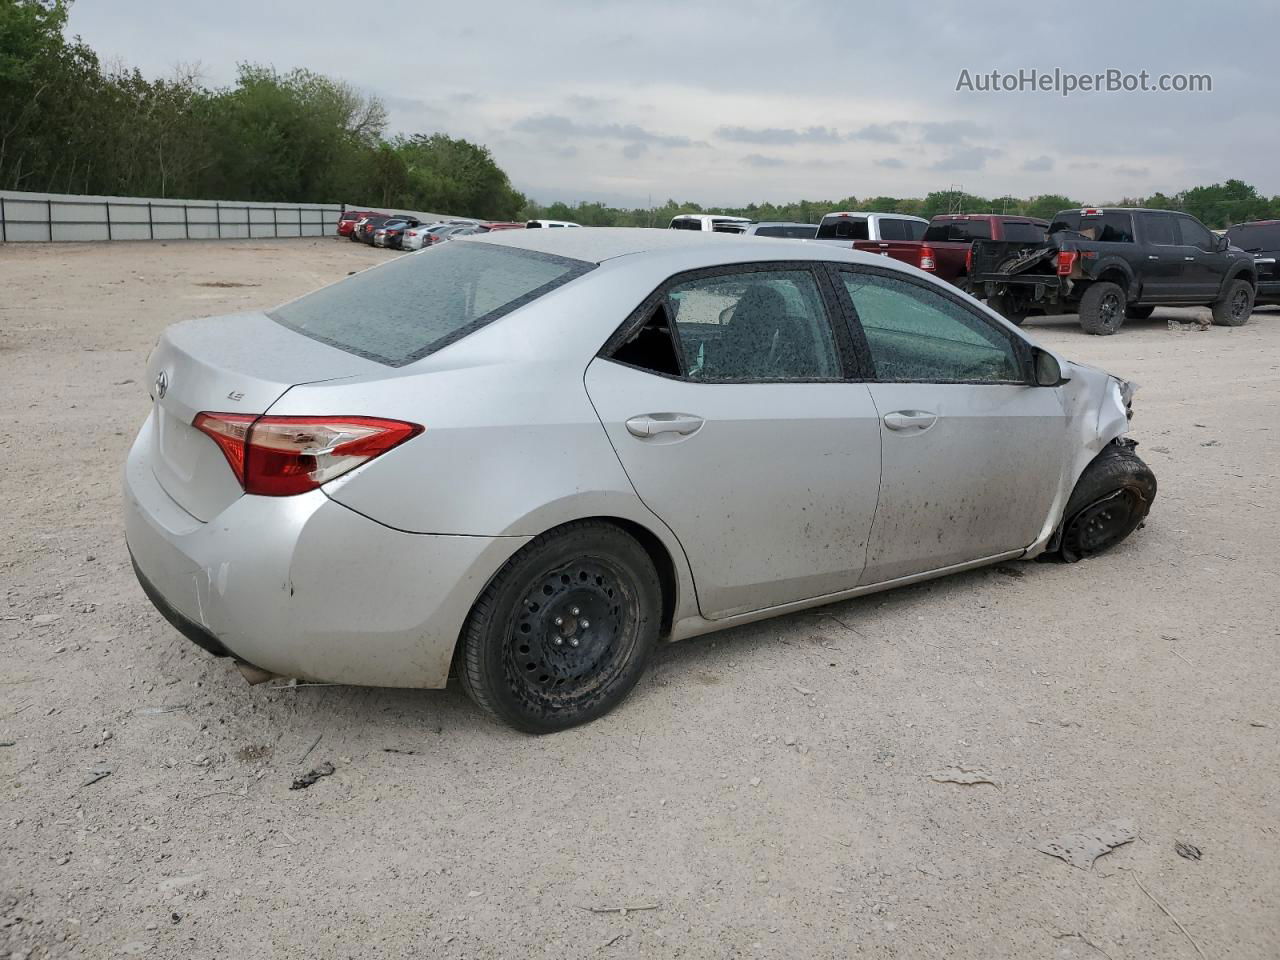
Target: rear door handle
(1152,257)
(1190,259)
(910,420)
(652,424)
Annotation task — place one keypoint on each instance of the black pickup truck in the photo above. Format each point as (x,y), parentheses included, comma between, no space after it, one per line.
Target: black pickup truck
(1109,264)
(1261,238)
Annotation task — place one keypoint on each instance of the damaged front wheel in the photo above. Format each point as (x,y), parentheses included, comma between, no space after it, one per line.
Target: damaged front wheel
(1110,501)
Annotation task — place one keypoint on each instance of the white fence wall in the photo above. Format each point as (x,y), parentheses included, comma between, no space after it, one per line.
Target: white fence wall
(46,217)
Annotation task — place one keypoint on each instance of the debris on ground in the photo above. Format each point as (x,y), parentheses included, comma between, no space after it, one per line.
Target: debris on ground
(307,779)
(623,911)
(967,776)
(45,619)
(1200,324)
(1188,851)
(398,750)
(99,773)
(1080,848)
(159,711)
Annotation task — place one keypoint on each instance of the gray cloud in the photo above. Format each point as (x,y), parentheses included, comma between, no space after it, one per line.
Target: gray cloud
(555,125)
(1127,171)
(634,151)
(951,131)
(965,158)
(778,136)
(879,133)
(760,160)
(890,163)
(1041,164)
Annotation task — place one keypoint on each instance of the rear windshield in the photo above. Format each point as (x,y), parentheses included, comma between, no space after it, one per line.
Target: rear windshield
(843,228)
(960,230)
(679,224)
(398,313)
(1022,232)
(1255,236)
(798,232)
(1105,227)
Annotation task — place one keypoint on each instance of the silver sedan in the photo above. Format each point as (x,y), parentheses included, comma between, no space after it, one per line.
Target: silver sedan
(528,457)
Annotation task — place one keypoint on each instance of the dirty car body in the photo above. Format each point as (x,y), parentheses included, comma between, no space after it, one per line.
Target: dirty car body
(770,425)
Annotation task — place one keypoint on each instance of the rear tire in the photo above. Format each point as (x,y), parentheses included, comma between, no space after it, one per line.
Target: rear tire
(524,668)
(1236,305)
(1011,309)
(1135,312)
(1110,501)
(1102,309)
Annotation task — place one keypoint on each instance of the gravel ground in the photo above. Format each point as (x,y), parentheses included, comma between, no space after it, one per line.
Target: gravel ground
(764,793)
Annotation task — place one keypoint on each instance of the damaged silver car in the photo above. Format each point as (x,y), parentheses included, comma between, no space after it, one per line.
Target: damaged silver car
(526,458)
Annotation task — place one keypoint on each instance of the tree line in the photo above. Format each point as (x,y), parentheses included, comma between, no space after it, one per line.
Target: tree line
(69,124)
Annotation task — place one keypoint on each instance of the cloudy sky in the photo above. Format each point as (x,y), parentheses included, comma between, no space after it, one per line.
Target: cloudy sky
(730,102)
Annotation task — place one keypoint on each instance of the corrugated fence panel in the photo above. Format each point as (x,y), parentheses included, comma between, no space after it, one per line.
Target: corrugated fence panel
(45,217)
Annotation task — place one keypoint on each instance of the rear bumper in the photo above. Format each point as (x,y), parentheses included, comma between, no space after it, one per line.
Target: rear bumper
(303,586)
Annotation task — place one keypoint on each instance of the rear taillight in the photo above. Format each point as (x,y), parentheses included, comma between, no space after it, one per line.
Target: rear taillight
(927,259)
(1066,262)
(968,260)
(284,456)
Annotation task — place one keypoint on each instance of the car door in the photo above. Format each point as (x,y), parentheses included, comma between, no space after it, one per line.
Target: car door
(1162,271)
(1205,269)
(972,455)
(730,399)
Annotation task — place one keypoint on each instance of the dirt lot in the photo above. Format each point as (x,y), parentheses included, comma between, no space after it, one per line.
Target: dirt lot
(764,793)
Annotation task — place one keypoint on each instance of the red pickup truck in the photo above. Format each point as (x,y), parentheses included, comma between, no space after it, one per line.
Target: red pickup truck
(948,241)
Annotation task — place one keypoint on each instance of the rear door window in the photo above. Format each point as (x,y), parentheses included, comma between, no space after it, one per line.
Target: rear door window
(402,311)
(892,229)
(1160,229)
(759,325)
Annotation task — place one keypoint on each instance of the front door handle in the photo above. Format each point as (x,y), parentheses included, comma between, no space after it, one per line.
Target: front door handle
(910,420)
(1190,259)
(652,424)
(1152,256)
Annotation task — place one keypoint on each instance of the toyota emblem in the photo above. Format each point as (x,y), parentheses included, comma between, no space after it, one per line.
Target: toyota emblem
(162,385)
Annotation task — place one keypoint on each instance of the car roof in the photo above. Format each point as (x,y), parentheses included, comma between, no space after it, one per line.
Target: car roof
(780,223)
(1018,217)
(598,244)
(873,213)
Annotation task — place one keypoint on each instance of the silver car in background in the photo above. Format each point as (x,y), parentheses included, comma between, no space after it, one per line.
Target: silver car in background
(537,453)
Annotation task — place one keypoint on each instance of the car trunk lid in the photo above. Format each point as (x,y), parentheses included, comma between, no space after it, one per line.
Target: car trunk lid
(234,364)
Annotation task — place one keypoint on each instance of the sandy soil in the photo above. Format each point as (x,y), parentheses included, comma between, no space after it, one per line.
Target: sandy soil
(764,791)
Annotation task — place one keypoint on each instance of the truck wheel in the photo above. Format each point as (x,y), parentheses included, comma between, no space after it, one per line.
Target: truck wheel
(1234,308)
(1102,309)
(1134,312)
(1110,501)
(1008,307)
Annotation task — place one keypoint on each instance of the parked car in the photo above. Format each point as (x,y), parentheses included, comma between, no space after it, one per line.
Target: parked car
(781,229)
(532,224)
(391,232)
(1262,239)
(709,223)
(347,222)
(1116,262)
(375,503)
(844,228)
(366,227)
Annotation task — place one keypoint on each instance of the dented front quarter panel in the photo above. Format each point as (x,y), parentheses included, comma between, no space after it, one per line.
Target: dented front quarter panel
(1094,403)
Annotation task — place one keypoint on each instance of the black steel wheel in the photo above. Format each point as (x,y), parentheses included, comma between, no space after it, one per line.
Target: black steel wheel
(562,633)
(1235,308)
(1110,501)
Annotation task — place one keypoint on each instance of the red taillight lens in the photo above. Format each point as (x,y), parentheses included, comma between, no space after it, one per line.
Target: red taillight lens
(927,259)
(1066,262)
(284,456)
(968,260)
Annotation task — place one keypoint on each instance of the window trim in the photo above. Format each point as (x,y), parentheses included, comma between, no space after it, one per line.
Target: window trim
(1021,348)
(846,350)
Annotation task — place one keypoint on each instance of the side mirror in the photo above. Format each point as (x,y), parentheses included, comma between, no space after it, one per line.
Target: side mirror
(1224,244)
(1048,372)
